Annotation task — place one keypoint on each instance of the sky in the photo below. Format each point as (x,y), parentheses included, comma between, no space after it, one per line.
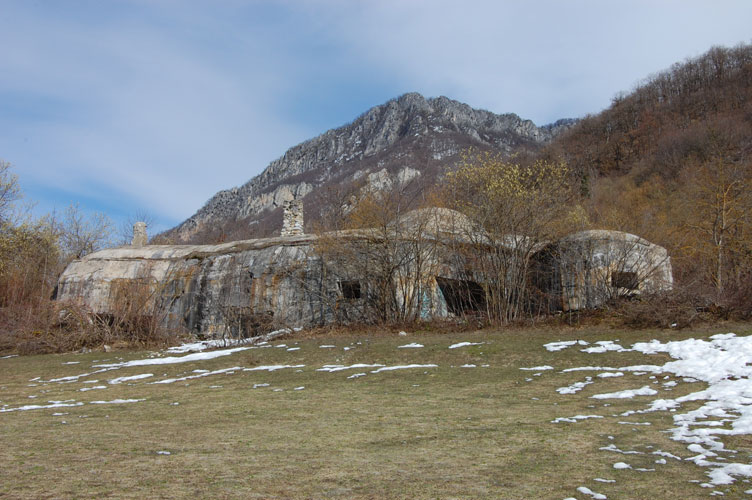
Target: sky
(152,106)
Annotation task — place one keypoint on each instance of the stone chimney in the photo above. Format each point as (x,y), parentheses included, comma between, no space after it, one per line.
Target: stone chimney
(139,235)
(292,218)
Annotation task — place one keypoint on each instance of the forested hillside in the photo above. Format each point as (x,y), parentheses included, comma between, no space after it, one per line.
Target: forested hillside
(672,162)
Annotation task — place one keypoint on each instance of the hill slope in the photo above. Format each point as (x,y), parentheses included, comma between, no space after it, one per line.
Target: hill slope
(672,162)
(409,137)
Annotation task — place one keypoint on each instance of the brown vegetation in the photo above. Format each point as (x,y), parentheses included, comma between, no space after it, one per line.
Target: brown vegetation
(33,253)
(672,162)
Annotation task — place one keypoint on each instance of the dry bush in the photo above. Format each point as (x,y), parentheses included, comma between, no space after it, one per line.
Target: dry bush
(679,308)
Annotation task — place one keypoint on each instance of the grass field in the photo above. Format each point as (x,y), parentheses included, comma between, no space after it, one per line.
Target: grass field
(444,431)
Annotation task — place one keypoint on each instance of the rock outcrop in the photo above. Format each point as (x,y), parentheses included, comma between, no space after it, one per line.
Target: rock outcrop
(406,138)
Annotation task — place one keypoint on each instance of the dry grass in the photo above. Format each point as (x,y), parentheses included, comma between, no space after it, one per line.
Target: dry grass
(446,432)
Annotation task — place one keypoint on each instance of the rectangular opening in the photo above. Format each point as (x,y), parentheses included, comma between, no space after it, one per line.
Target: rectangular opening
(462,296)
(624,279)
(350,289)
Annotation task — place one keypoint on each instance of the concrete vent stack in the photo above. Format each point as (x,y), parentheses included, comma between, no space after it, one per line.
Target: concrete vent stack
(292,218)
(139,235)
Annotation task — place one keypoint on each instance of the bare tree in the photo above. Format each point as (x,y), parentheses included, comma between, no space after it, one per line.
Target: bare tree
(125,230)
(516,209)
(82,234)
(10,193)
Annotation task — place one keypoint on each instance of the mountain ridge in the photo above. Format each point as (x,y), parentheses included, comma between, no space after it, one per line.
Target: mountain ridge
(407,134)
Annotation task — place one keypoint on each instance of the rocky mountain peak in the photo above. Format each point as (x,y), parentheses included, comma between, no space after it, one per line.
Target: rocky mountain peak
(408,132)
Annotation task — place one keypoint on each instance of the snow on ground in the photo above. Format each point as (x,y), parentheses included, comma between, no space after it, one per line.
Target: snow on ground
(464,344)
(629,393)
(576,387)
(271,368)
(587,491)
(67,403)
(604,346)
(558,346)
(120,380)
(724,363)
(202,373)
(199,356)
(53,404)
(409,346)
(574,419)
(402,367)
(213,344)
(116,402)
(93,388)
(538,368)
(339,368)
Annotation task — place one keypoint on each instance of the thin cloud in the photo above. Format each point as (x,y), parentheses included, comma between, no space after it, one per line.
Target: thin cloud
(151,105)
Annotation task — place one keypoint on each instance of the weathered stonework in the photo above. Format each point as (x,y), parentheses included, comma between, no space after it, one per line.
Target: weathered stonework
(139,235)
(292,218)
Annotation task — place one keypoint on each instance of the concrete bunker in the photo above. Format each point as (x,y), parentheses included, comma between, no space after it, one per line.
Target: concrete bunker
(244,288)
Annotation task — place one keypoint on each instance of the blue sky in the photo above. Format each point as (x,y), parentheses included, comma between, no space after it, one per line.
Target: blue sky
(155,105)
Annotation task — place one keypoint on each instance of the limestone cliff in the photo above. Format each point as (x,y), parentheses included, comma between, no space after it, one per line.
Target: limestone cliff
(409,136)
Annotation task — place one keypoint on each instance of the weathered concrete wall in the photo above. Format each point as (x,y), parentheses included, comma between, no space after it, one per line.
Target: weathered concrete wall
(592,267)
(248,287)
(207,288)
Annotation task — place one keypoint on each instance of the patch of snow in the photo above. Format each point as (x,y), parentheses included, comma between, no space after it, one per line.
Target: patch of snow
(604,346)
(558,346)
(120,380)
(71,362)
(96,387)
(612,447)
(55,404)
(587,491)
(198,375)
(116,401)
(327,346)
(299,388)
(666,454)
(610,374)
(576,387)
(271,368)
(256,386)
(538,368)
(468,366)
(589,369)
(410,346)
(163,452)
(293,348)
(339,368)
(357,375)
(574,419)
(622,465)
(601,480)
(188,358)
(402,367)
(212,344)
(627,394)
(464,344)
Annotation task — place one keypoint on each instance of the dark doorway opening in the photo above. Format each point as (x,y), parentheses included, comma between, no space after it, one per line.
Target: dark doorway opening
(462,296)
